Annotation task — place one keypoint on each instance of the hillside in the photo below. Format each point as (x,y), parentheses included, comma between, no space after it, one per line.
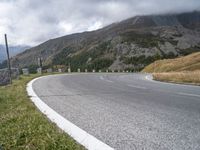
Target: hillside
(180,70)
(129,44)
(187,63)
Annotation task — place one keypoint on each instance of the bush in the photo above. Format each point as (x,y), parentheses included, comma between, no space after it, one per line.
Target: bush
(101,63)
(188,51)
(32,69)
(135,60)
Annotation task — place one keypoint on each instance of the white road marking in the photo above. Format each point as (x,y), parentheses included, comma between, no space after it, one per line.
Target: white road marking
(81,136)
(135,86)
(102,78)
(148,77)
(188,94)
(109,81)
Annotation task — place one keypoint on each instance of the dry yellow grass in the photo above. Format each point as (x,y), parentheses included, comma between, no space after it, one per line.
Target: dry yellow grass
(180,70)
(191,77)
(186,63)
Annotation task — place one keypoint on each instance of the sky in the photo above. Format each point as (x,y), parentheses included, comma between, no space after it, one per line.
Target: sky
(30,22)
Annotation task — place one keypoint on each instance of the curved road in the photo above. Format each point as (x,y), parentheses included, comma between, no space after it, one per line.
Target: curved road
(126,111)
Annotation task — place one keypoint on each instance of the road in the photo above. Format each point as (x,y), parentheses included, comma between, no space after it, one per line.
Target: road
(126,111)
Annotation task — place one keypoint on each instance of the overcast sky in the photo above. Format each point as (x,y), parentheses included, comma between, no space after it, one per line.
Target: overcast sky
(31,22)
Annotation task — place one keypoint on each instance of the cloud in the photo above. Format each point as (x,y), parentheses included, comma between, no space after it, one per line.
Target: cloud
(31,22)
(94,26)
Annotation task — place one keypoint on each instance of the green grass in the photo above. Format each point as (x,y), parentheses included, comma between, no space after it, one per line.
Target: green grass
(22,126)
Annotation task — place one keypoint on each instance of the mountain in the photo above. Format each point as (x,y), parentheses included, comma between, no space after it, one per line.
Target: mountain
(129,44)
(14,50)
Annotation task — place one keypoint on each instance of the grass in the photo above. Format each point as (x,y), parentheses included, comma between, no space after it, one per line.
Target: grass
(187,63)
(180,70)
(22,126)
(179,77)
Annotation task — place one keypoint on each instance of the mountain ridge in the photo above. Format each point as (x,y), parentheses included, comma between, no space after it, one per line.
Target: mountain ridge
(121,44)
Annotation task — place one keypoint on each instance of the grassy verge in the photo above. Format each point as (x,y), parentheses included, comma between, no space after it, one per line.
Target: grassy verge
(181,64)
(22,126)
(179,77)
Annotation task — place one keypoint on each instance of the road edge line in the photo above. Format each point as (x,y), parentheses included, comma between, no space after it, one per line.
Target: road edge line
(81,136)
(149,77)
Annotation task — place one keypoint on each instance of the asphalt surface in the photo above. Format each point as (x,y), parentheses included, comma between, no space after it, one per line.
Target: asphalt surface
(127,111)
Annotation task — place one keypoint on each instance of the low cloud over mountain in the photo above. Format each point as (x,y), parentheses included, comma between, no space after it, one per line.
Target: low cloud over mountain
(31,22)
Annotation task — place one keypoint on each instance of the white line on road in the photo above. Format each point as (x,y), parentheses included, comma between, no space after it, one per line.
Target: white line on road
(188,94)
(149,77)
(81,136)
(102,78)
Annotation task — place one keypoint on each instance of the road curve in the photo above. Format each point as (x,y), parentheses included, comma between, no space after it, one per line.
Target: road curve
(126,111)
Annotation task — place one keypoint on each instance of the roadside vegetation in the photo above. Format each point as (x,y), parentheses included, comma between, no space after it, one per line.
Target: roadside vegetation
(22,126)
(180,70)
(179,77)
(144,40)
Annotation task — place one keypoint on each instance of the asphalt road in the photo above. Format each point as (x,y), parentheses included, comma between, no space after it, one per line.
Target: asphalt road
(127,111)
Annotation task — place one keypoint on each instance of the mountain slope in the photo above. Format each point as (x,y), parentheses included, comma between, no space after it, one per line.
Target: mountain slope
(180,70)
(130,44)
(187,63)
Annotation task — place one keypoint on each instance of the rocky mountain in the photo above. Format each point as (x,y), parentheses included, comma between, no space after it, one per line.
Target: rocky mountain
(129,44)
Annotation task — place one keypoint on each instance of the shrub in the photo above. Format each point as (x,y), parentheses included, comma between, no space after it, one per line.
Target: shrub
(135,60)
(144,40)
(33,69)
(100,63)
(80,60)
